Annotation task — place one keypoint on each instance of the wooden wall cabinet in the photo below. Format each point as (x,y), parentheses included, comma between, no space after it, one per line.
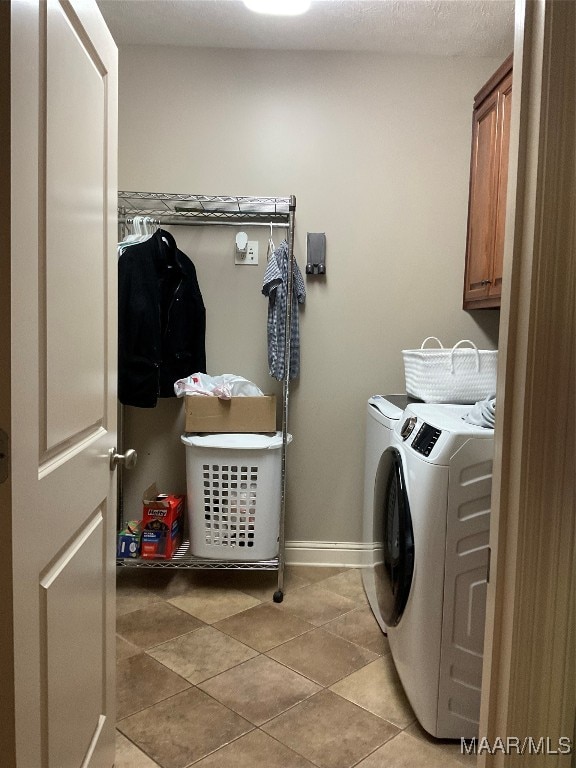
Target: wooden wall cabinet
(488,182)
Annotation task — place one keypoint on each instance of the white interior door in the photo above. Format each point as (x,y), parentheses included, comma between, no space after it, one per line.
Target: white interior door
(62,396)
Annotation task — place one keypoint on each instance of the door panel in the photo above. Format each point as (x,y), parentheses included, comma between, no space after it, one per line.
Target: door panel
(75,253)
(505,110)
(481,206)
(63,374)
(75,658)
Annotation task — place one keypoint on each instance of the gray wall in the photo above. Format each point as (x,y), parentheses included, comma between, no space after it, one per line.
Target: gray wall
(376,150)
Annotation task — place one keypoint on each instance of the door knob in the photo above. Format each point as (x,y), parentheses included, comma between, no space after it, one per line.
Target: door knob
(128,459)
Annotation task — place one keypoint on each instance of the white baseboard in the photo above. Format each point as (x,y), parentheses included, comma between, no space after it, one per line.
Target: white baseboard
(345,554)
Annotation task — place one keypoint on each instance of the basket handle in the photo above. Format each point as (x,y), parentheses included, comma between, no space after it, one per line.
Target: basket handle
(435,339)
(465,341)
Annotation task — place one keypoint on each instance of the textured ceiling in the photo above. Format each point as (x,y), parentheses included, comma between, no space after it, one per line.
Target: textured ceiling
(426,27)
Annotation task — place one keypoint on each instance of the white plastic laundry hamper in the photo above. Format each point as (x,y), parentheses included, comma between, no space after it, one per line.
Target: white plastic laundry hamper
(233,490)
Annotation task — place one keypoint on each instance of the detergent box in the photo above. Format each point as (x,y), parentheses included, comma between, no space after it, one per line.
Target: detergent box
(129,539)
(162,523)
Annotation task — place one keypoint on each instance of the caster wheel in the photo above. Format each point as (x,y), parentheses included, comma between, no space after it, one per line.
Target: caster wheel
(278,596)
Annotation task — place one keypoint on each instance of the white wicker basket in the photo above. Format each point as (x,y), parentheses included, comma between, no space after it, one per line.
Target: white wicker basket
(450,375)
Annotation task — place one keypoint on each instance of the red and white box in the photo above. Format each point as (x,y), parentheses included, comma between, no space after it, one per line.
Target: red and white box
(162,524)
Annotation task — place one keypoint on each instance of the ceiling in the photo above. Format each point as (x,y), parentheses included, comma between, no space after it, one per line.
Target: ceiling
(401,27)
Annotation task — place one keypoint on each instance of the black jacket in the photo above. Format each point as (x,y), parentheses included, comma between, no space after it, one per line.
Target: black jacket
(161,320)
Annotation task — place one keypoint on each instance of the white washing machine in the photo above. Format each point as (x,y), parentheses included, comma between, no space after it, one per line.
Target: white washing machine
(382,415)
(433,488)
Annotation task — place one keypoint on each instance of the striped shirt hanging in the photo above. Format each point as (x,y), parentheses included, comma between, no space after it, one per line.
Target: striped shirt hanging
(275,287)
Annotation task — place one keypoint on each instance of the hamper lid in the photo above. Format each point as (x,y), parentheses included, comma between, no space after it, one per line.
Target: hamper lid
(243,441)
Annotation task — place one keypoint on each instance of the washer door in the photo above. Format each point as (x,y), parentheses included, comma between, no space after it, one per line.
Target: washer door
(397,566)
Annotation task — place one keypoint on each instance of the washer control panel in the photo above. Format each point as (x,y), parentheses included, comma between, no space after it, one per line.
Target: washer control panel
(426,438)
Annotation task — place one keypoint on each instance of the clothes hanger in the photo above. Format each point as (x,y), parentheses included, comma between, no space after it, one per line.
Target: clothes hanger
(151,225)
(141,231)
(271,246)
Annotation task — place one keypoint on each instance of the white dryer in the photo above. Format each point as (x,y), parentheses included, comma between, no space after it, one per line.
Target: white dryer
(382,414)
(434,485)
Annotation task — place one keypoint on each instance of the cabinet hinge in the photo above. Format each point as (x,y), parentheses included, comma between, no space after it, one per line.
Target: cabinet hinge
(4,456)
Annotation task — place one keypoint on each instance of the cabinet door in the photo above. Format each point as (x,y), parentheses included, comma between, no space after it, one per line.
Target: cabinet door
(482,202)
(504,110)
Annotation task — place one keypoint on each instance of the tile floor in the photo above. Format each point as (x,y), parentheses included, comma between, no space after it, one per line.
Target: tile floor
(212,673)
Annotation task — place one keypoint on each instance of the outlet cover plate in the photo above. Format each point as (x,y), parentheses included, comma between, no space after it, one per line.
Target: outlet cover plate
(249,256)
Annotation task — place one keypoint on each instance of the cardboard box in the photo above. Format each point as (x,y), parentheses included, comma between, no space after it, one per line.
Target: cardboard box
(162,524)
(129,539)
(239,414)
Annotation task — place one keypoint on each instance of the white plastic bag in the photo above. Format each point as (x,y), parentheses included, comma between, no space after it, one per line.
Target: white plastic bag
(225,386)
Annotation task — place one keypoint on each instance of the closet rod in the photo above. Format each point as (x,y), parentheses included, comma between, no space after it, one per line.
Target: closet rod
(184,221)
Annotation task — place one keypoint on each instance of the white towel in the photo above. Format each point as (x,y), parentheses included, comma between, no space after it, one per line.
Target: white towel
(482,413)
